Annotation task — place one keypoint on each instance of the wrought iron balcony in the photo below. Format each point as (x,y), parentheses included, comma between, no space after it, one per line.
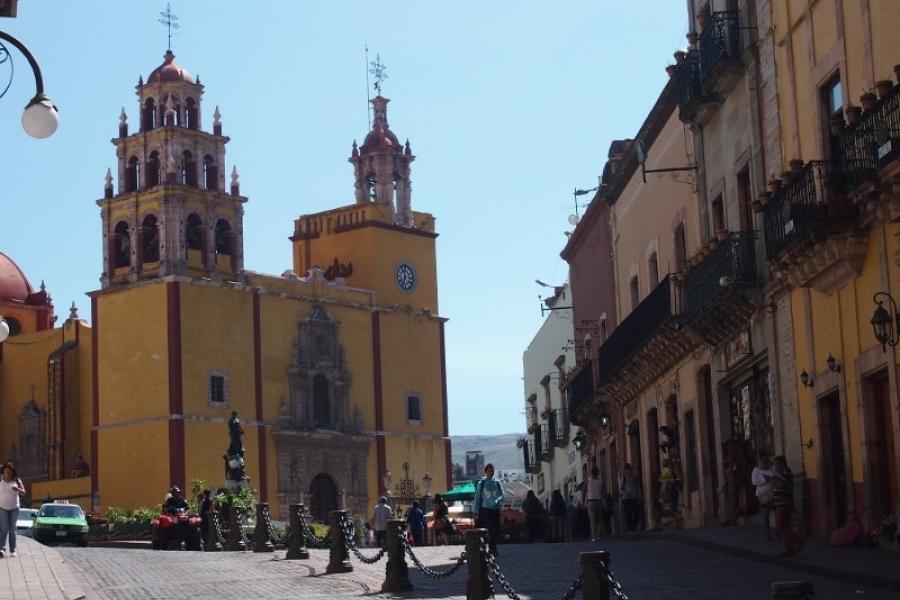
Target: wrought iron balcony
(814,197)
(559,427)
(532,465)
(720,45)
(710,303)
(546,446)
(690,86)
(580,390)
(711,69)
(873,141)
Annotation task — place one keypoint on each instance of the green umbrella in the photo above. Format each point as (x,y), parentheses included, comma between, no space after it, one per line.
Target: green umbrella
(464,491)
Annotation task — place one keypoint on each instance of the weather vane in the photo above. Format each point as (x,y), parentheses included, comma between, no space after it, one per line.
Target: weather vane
(169,19)
(378,71)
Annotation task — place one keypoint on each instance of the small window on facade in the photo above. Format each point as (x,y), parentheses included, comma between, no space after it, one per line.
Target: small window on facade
(217,389)
(635,290)
(718,214)
(414,408)
(744,199)
(653,271)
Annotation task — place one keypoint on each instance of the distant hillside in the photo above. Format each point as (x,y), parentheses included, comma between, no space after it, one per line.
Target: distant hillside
(498,449)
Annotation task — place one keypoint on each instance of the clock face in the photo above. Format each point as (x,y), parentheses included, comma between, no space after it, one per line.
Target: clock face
(405,276)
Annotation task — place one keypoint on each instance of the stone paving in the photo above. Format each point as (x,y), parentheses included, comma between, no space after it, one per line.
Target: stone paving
(649,568)
(37,573)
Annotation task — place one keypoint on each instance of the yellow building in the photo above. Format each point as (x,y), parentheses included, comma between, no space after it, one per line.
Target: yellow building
(831,225)
(336,368)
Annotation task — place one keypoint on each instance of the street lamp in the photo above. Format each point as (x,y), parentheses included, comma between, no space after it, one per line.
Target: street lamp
(883,321)
(426,482)
(4,330)
(580,440)
(41,116)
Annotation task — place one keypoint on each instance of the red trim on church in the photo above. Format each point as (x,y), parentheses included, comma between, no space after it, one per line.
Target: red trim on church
(95,399)
(379,400)
(176,404)
(257,391)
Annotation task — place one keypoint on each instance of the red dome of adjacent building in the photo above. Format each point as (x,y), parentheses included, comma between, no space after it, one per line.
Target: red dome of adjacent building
(169,71)
(14,285)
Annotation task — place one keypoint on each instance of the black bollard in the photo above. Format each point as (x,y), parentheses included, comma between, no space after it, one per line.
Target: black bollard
(595,585)
(338,560)
(792,590)
(261,542)
(478,586)
(396,573)
(212,543)
(235,541)
(296,546)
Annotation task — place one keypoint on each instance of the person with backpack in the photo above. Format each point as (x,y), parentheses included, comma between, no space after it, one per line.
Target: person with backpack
(488,499)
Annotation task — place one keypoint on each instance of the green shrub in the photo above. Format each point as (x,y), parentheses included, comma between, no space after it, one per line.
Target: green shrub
(116,515)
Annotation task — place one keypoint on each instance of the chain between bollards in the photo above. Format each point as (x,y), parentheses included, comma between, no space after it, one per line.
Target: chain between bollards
(262,531)
(396,572)
(296,544)
(236,541)
(338,558)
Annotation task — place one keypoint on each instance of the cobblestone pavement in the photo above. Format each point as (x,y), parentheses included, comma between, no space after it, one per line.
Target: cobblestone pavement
(37,573)
(656,569)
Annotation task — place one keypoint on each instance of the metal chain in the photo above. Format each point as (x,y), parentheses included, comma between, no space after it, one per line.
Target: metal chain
(614,585)
(573,589)
(428,572)
(270,530)
(494,570)
(218,524)
(310,535)
(350,545)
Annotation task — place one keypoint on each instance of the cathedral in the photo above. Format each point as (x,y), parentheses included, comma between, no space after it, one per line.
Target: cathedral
(335,367)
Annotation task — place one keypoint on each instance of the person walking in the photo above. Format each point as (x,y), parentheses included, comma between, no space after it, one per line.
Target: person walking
(762,477)
(11,488)
(783,502)
(630,493)
(531,506)
(594,500)
(557,517)
(383,512)
(440,527)
(488,499)
(415,518)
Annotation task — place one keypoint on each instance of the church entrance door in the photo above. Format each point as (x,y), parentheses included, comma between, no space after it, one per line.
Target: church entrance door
(323,496)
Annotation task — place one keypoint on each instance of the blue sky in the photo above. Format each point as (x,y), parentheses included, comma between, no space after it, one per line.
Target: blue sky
(508,107)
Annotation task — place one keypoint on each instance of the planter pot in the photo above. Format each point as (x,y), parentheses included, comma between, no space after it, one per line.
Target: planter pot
(702,19)
(692,37)
(853,113)
(774,185)
(837,125)
(672,70)
(680,56)
(868,101)
(884,87)
(721,235)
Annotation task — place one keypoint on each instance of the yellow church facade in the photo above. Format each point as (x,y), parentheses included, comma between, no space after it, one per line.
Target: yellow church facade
(335,368)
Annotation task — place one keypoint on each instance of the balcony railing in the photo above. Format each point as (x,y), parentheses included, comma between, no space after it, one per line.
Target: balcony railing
(874,140)
(637,328)
(812,198)
(732,262)
(546,445)
(580,390)
(559,427)
(719,41)
(532,465)
(689,80)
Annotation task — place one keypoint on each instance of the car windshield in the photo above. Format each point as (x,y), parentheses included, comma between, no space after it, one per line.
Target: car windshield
(65,512)
(27,513)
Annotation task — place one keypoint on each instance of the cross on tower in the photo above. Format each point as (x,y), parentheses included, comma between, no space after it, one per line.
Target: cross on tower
(169,19)
(379,71)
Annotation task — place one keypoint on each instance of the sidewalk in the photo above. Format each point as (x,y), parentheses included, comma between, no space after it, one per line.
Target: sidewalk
(869,566)
(37,573)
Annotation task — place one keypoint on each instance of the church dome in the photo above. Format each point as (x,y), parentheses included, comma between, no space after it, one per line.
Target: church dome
(169,71)
(381,139)
(14,285)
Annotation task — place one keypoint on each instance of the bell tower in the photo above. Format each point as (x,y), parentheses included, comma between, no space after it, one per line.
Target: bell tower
(172,213)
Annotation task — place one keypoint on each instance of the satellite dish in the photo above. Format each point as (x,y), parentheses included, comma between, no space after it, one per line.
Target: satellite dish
(573,219)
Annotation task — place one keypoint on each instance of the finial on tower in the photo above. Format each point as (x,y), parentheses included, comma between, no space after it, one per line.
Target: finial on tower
(43,287)
(107,186)
(235,182)
(217,122)
(379,72)
(73,312)
(355,151)
(123,124)
(407,149)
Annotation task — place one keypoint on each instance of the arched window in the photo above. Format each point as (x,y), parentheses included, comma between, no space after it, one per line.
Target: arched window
(193,232)
(152,173)
(132,174)
(223,237)
(121,245)
(174,118)
(653,269)
(150,239)
(321,408)
(191,114)
(210,173)
(188,169)
(148,115)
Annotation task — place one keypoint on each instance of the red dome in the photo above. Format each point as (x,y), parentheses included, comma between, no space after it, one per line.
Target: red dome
(381,139)
(169,71)
(13,283)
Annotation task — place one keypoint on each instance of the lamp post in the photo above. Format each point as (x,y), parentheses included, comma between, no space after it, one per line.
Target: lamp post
(41,116)
(883,321)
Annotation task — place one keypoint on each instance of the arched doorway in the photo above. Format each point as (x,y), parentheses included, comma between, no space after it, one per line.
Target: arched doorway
(323,496)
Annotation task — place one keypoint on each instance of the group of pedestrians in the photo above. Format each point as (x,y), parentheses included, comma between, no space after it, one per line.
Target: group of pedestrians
(11,489)
(775,493)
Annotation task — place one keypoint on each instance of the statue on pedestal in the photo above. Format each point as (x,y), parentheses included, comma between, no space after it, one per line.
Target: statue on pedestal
(234,458)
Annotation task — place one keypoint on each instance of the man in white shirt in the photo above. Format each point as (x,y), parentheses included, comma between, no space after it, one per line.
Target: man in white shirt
(762,478)
(594,497)
(383,512)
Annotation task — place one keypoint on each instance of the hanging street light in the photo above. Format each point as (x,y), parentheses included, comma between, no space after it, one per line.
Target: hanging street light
(883,322)
(41,117)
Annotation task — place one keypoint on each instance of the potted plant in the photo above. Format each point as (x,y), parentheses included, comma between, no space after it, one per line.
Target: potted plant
(853,113)
(672,70)
(868,100)
(883,87)
(680,56)
(692,37)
